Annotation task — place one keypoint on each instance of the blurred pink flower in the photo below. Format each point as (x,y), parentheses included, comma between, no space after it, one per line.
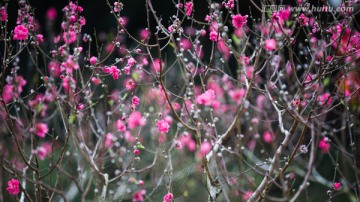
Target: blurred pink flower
(139,195)
(120,126)
(135,120)
(247,195)
(324,99)
(40,129)
(51,14)
(268,137)
(270,44)
(206,98)
(109,140)
(3,14)
(44,150)
(204,149)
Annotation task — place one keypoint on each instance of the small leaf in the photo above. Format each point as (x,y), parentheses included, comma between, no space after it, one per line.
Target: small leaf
(39,108)
(140,146)
(235,39)
(72,119)
(326,81)
(135,76)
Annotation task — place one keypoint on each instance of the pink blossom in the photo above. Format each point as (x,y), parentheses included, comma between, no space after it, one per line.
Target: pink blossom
(270,44)
(238,20)
(275,16)
(285,14)
(13,187)
(135,120)
(207,18)
(8,93)
(113,70)
(128,137)
(82,21)
(244,60)
(123,21)
(237,95)
(224,49)
(230,4)
(96,81)
(337,185)
(93,60)
(168,197)
(139,195)
(20,32)
(120,125)
(186,139)
(255,121)
(144,34)
(213,36)
(156,65)
(136,152)
(303,20)
(247,195)
(268,137)
(205,147)
(3,14)
(69,37)
(57,39)
(188,8)
(135,101)
(40,129)
(131,62)
(324,99)
(324,145)
(163,126)
(140,182)
(51,14)
(109,140)
(39,38)
(44,150)
(206,98)
(130,84)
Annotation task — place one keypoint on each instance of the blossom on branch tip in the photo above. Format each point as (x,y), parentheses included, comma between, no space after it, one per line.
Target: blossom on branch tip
(188,8)
(337,185)
(20,33)
(324,145)
(40,129)
(13,187)
(238,21)
(213,36)
(168,197)
(93,60)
